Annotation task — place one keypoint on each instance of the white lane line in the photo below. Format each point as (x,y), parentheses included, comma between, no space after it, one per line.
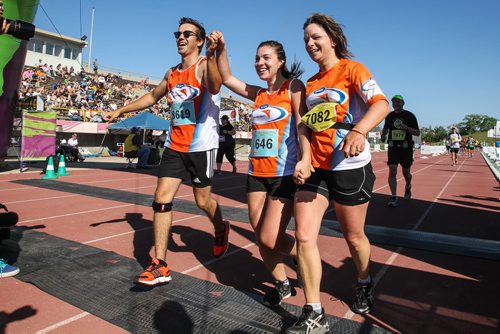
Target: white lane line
(62,323)
(74,213)
(67,196)
(412,173)
(349,314)
(134,231)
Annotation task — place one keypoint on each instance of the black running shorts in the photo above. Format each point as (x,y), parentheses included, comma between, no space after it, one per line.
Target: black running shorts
(198,165)
(282,187)
(346,187)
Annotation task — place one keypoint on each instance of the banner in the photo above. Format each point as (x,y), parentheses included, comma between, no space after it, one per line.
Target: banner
(38,135)
(12,56)
(428,149)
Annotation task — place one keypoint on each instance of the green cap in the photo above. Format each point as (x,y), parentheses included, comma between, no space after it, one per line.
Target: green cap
(398,97)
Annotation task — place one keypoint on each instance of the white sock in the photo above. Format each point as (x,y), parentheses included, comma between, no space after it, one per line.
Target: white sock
(365,281)
(316,307)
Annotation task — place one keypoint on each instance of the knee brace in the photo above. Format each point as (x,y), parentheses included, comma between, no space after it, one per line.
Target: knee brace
(162,207)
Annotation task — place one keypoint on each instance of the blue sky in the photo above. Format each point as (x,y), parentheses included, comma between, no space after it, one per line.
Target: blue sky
(442,56)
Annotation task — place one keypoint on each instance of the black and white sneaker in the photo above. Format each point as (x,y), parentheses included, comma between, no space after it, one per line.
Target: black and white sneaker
(310,322)
(277,294)
(363,298)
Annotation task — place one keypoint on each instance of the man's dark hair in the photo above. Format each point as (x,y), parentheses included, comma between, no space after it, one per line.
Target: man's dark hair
(201,31)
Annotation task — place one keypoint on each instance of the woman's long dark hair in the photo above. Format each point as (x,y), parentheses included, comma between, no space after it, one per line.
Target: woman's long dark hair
(295,71)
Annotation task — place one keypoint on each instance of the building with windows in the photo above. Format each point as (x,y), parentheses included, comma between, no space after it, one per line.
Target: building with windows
(54,49)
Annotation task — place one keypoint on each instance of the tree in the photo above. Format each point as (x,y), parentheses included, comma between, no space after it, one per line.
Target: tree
(433,135)
(476,123)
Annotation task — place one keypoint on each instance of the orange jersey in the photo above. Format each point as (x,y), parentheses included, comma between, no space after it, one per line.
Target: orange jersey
(351,85)
(194,113)
(274,147)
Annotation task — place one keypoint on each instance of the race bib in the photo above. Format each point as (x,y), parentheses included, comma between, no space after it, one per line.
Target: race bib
(182,113)
(398,134)
(321,117)
(264,143)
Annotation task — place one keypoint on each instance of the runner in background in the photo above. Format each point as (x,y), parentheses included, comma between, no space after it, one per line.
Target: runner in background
(343,91)
(399,127)
(226,144)
(192,88)
(275,154)
(454,139)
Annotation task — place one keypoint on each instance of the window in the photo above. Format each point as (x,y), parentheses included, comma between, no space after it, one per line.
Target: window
(38,45)
(58,50)
(49,48)
(67,53)
(31,45)
(76,53)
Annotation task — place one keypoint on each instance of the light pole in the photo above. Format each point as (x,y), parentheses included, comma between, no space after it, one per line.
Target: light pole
(91,33)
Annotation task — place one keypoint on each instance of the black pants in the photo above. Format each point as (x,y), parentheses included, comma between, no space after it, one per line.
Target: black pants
(228,150)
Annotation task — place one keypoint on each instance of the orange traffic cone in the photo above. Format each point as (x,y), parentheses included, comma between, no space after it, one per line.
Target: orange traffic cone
(61,169)
(49,172)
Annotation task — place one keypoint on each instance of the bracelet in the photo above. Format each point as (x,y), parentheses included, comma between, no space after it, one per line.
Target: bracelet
(359,131)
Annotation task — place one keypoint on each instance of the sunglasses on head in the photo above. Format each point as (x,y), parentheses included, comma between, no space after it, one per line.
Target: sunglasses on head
(185,33)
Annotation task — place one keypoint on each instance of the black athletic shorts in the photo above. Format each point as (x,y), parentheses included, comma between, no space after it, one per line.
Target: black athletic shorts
(282,186)
(402,155)
(347,187)
(198,165)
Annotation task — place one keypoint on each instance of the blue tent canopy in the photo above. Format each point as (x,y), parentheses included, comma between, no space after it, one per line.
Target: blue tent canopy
(145,121)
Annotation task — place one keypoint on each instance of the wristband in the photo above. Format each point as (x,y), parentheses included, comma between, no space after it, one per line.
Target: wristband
(359,131)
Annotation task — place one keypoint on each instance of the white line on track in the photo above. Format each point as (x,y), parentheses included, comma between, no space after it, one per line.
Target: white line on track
(74,213)
(134,231)
(349,314)
(62,323)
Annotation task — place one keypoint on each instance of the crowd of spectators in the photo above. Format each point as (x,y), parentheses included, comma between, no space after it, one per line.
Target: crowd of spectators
(82,96)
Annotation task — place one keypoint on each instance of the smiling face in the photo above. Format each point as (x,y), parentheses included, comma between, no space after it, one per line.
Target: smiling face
(319,46)
(267,64)
(190,44)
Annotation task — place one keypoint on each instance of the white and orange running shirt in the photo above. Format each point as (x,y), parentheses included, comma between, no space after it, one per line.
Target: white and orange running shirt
(351,85)
(274,148)
(194,113)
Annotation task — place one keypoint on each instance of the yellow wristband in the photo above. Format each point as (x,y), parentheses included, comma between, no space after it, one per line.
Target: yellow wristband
(359,131)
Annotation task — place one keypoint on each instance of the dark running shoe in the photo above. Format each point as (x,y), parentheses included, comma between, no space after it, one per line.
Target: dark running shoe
(156,273)
(310,322)
(393,202)
(407,193)
(221,240)
(277,294)
(363,299)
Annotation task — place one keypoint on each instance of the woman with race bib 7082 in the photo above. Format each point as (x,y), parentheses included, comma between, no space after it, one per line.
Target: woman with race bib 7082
(347,103)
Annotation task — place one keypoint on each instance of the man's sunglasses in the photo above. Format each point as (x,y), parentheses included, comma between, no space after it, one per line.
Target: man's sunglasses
(185,33)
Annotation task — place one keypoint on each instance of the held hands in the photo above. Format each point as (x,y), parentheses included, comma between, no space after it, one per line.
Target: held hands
(302,172)
(215,41)
(353,144)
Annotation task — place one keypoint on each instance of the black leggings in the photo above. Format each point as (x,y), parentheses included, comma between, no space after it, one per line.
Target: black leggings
(228,150)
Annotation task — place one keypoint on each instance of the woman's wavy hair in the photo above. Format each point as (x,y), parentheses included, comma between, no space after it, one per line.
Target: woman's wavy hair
(334,30)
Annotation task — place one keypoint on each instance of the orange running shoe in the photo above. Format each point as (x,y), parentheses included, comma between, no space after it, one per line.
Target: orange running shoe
(221,240)
(156,273)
